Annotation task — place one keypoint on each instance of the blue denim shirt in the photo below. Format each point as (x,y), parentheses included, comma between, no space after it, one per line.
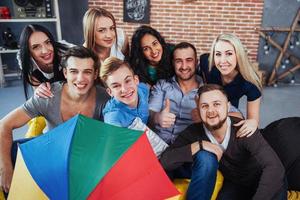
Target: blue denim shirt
(180,104)
(120,114)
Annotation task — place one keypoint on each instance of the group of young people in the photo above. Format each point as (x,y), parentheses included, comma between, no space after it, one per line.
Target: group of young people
(153,84)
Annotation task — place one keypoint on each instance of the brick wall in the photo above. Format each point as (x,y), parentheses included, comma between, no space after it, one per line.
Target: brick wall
(197,21)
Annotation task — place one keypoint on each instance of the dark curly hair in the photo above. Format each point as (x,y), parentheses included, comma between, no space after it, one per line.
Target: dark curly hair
(140,64)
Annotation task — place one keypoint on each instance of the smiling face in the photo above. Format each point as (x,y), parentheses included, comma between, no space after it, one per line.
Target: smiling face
(225,58)
(152,49)
(122,84)
(213,108)
(41,50)
(105,32)
(184,63)
(80,74)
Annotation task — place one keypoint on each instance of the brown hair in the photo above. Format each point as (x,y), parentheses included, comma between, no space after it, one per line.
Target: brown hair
(210,87)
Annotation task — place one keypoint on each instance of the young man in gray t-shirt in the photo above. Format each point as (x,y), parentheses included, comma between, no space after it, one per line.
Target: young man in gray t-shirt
(77,95)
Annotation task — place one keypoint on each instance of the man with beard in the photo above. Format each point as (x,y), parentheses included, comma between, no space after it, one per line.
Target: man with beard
(172,101)
(250,167)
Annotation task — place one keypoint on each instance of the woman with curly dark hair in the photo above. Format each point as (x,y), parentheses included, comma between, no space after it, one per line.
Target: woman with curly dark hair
(150,55)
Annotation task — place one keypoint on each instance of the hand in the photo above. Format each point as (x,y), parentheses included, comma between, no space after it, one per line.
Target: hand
(195,115)
(43,90)
(164,118)
(213,148)
(195,112)
(6,174)
(248,127)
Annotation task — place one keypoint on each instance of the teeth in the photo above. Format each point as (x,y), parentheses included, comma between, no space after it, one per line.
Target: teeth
(80,86)
(128,95)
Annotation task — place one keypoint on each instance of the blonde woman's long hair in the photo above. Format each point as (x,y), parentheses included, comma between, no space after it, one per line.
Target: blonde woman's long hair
(244,66)
(89,21)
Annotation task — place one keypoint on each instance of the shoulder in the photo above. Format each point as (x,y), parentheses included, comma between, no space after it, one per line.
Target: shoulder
(143,90)
(165,84)
(102,96)
(56,88)
(121,37)
(251,91)
(114,117)
(112,106)
(214,76)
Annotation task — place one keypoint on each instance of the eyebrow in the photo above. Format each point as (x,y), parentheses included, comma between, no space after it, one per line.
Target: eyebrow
(102,27)
(150,43)
(216,101)
(114,83)
(36,44)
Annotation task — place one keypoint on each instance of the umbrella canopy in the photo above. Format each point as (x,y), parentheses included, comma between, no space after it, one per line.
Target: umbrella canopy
(87,159)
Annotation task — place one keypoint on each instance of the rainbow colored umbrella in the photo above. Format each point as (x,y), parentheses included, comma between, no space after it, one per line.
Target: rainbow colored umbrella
(87,159)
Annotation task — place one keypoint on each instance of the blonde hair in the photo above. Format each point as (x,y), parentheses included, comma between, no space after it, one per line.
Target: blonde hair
(110,65)
(244,66)
(89,21)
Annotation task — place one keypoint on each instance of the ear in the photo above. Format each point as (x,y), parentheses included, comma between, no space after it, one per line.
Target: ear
(65,72)
(96,74)
(229,105)
(108,90)
(136,79)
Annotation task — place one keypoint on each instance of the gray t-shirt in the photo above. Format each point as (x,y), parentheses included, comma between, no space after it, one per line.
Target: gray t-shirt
(50,108)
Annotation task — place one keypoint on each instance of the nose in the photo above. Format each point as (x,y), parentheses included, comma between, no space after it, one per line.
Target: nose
(109,33)
(184,65)
(44,49)
(151,51)
(123,88)
(80,76)
(223,59)
(210,110)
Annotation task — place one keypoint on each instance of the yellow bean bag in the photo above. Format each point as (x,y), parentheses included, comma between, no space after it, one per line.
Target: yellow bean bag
(36,127)
(182,185)
(293,195)
(1,195)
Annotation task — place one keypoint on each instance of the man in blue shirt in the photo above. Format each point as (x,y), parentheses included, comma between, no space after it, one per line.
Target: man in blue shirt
(129,97)
(128,106)
(172,101)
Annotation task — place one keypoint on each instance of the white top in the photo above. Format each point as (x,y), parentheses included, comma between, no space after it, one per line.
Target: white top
(225,142)
(116,51)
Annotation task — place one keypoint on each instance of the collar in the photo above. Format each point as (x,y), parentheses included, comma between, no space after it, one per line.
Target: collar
(225,142)
(198,79)
(35,66)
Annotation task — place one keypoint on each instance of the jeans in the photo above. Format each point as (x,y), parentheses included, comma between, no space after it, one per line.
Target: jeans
(204,173)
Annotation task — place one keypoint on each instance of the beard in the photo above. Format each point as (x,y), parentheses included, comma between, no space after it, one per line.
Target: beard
(215,126)
(186,78)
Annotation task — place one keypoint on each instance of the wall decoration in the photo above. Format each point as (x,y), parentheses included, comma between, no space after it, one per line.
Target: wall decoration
(136,11)
(286,50)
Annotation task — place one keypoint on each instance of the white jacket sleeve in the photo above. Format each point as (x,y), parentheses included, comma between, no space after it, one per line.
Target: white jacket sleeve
(158,145)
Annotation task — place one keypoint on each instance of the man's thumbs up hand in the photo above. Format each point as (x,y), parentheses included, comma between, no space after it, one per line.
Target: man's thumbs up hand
(165,118)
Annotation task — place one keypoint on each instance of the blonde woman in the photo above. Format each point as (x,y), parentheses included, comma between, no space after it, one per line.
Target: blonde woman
(230,67)
(102,36)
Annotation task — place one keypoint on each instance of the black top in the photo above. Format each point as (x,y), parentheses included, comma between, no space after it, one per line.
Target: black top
(247,161)
(235,89)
